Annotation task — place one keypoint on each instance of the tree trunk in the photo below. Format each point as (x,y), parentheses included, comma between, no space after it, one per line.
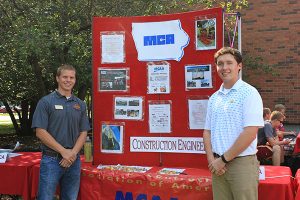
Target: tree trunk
(82,92)
(12,117)
(25,122)
(33,60)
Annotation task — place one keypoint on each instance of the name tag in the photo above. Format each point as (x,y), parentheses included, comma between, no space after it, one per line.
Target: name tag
(59,107)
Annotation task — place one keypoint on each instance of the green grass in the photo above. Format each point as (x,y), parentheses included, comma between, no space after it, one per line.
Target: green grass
(6,126)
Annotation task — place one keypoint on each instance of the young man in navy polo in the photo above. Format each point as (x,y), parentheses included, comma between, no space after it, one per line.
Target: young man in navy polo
(61,124)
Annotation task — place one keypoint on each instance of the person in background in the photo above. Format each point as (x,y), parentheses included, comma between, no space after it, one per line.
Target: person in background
(281,130)
(61,124)
(234,114)
(266,114)
(267,137)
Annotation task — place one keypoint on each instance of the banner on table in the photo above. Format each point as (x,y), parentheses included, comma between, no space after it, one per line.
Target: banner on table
(167,144)
(107,185)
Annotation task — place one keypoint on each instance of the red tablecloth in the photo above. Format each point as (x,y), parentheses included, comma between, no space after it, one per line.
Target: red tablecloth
(106,185)
(196,184)
(277,185)
(297,184)
(15,174)
(297,144)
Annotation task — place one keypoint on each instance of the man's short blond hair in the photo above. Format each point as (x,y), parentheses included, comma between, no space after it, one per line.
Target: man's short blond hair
(276,115)
(64,67)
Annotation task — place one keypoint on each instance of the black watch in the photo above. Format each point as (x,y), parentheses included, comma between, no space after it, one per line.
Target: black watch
(223,159)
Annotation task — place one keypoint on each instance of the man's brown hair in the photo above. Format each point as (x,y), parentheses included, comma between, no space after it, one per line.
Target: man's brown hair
(228,50)
(279,107)
(266,112)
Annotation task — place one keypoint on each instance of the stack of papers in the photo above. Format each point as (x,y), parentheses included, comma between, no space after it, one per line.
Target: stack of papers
(171,171)
(124,168)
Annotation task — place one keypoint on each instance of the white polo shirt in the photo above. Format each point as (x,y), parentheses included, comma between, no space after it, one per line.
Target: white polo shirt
(229,112)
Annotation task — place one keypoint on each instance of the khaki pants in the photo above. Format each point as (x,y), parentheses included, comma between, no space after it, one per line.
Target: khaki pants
(240,182)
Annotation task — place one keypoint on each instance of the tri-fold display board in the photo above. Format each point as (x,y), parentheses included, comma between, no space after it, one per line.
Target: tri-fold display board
(152,77)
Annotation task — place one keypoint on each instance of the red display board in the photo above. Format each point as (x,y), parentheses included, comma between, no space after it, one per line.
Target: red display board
(136,70)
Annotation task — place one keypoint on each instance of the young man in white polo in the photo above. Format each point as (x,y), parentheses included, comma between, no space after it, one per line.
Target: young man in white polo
(234,114)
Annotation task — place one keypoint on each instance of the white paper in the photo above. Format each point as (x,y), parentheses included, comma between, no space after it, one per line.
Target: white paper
(158,79)
(11,155)
(197,113)
(3,157)
(128,108)
(156,41)
(198,76)
(160,118)
(112,48)
(262,173)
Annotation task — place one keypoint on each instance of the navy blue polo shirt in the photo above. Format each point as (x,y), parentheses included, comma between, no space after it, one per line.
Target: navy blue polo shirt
(63,118)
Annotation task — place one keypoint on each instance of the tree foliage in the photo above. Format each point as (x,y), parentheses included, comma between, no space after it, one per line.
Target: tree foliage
(37,36)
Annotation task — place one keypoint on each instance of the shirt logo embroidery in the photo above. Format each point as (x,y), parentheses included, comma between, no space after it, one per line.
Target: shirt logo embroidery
(76,106)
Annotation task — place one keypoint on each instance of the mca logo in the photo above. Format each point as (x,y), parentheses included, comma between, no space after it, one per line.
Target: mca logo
(159,40)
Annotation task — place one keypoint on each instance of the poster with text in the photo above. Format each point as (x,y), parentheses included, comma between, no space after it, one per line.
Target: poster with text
(158,79)
(130,108)
(112,46)
(113,79)
(159,117)
(205,34)
(198,76)
(197,113)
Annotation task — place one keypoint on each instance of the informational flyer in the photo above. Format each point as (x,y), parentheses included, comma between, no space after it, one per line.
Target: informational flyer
(158,79)
(112,138)
(197,113)
(198,76)
(160,118)
(205,34)
(171,171)
(112,46)
(130,108)
(113,79)
(124,168)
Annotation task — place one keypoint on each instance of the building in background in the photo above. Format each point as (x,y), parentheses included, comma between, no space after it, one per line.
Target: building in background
(271,30)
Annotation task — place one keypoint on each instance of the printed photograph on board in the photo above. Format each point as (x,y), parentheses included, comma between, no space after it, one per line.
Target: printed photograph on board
(112,79)
(127,107)
(198,76)
(205,34)
(112,138)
